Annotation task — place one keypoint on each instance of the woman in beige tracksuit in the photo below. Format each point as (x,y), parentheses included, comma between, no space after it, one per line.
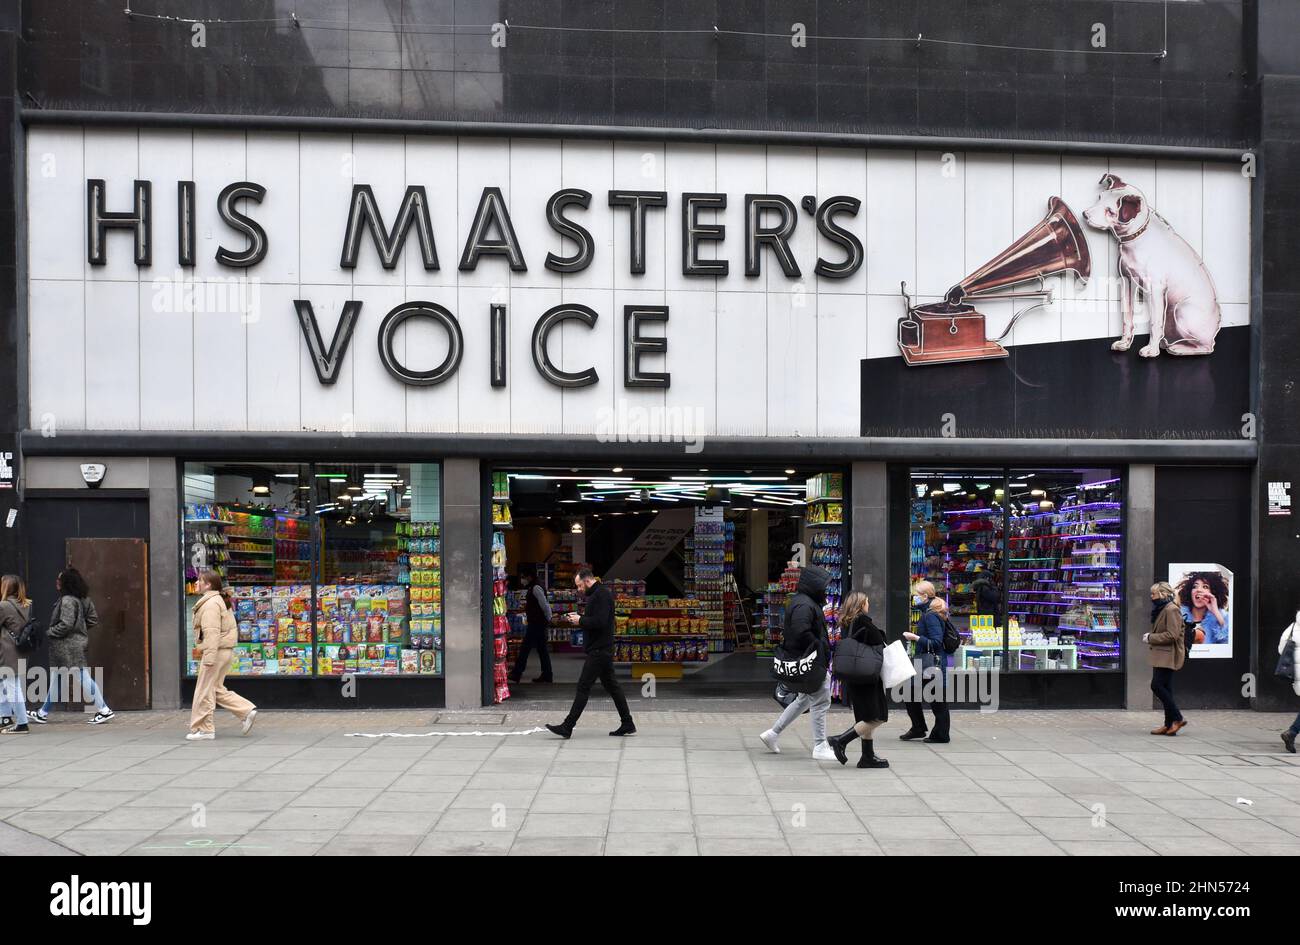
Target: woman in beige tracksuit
(215,636)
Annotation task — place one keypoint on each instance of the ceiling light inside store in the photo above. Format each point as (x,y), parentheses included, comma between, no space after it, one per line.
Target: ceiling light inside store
(1037,492)
(789,472)
(617,469)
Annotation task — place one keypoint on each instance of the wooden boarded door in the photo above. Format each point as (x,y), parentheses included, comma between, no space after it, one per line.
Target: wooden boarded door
(117,570)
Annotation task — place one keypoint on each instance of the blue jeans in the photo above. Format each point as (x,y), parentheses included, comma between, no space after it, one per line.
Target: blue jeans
(88,688)
(15,704)
(1295,726)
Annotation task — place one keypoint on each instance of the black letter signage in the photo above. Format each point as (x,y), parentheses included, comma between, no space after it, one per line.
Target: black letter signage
(639,201)
(492,212)
(99,221)
(776,237)
(542,358)
(365,212)
(566,227)
(693,232)
(327,361)
(837,234)
(455,343)
(257,245)
(634,346)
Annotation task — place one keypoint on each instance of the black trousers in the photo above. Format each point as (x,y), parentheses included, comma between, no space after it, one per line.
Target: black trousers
(1162,684)
(534,639)
(916,709)
(598,666)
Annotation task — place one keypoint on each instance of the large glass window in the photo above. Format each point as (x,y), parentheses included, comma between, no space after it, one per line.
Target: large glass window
(332,569)
(1028,561)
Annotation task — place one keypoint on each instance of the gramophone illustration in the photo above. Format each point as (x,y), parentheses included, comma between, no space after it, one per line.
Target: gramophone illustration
(953,330)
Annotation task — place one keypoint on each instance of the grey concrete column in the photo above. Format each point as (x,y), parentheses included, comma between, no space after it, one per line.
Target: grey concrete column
(166,583)
(1140,574)
(462,575)
(870,498)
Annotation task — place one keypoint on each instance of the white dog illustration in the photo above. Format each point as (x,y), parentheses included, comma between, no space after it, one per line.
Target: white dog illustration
(1152,257)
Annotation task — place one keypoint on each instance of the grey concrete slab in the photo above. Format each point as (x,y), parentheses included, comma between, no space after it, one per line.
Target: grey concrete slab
(465,843)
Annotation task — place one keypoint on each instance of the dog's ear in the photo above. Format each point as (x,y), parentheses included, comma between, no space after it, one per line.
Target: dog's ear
(1129,205)
(1110,182)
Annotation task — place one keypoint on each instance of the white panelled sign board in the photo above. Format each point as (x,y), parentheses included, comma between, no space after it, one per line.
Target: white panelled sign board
(278,281)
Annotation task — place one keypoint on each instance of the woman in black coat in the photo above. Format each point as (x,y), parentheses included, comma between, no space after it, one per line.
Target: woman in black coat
(867,696)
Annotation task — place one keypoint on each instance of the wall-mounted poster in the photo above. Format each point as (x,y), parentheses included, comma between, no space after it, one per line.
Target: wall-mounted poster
(1204,594)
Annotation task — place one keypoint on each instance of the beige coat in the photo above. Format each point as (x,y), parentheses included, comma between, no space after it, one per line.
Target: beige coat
(1168,648)
(214,627)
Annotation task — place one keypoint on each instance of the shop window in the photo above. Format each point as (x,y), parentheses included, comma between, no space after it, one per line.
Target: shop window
(1065,582)
(1028,561)
(332,569)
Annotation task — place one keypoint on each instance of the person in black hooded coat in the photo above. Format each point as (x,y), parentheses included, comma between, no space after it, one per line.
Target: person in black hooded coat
(805,626)
(867,696)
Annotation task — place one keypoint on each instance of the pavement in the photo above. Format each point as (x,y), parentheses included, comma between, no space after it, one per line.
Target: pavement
(694,780)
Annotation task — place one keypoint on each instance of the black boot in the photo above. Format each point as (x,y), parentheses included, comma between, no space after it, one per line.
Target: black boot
(624,728)
(839,743)
(869,759)
(911,734)
(563,730)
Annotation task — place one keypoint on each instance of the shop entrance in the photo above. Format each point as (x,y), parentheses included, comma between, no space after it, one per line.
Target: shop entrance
(700,562)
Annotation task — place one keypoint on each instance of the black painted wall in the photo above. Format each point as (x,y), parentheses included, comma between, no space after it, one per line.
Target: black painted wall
(1277,304)
(1204,515)
(601,61)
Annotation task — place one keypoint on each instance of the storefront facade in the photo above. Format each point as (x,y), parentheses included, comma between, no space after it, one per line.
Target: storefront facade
(356,321)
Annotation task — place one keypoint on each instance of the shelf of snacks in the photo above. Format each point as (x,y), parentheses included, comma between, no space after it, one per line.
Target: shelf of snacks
(708,571)
(275,630)
(206,546)
(500,621)
(824,497)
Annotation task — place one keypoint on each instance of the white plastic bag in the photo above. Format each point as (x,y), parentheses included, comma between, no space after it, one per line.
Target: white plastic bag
(897,669)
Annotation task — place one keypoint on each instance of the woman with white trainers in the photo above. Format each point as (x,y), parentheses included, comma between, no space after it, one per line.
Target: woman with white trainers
(73,618)
(215,636)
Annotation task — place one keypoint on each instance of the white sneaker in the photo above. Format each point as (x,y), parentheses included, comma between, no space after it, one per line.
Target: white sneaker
(249,719)
(200,736)
(99,718)
(768,739)
(823,752)
(39,717)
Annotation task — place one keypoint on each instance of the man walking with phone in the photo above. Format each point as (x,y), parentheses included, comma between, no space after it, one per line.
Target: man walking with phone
(597,623)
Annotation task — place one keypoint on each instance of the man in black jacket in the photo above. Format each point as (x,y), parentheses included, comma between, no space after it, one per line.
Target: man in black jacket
(597,623)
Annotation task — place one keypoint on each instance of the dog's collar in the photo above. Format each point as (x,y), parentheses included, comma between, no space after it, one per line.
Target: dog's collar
(1132,236)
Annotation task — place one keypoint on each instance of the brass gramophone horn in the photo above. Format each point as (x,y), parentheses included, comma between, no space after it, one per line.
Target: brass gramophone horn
(1055,245)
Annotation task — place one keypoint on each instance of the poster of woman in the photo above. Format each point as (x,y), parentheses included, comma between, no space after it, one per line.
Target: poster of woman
(1204,595)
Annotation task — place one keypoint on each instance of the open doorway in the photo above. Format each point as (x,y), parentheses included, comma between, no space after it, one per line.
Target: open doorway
(700,562)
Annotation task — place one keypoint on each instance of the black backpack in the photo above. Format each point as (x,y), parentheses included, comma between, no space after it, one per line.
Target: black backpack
(951,638)
(30,635)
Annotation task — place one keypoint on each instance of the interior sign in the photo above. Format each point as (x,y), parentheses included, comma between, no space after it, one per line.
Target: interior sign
(6,469)
(770,223)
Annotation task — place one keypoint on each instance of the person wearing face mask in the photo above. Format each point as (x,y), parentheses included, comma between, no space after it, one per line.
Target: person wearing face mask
(1168,652)
(927,644)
